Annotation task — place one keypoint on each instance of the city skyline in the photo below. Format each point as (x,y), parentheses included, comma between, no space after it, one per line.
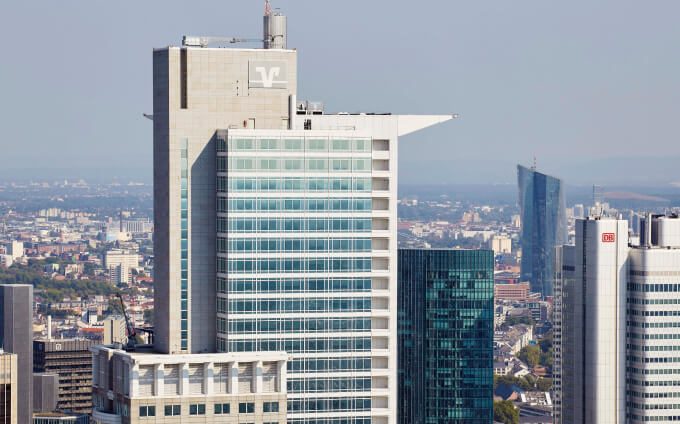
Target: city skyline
(608,88)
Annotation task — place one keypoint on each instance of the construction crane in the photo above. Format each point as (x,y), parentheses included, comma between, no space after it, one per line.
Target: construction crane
(131,333)
(134,338)
(193,41)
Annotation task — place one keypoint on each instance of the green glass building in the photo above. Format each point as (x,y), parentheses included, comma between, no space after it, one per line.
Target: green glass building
(445,313)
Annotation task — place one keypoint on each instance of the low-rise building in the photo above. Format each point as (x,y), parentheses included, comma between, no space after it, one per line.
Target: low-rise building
(518,292)
(129,387)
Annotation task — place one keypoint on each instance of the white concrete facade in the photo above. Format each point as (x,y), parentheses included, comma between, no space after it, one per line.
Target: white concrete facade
(220,286)
(602,266)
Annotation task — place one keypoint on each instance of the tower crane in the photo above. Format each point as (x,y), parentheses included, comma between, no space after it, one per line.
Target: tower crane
(133,336)
(205,41)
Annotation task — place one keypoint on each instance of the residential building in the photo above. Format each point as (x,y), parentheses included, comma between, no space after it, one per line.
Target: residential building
(15,248)
(229,388)
(544,226)
(446,321)
(500,244)
(120,265)
(16,336)
(114,330)
(71,360)
(297,251)
(8,388)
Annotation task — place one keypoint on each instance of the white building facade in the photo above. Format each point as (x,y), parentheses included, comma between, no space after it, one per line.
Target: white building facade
(276,228)
(617,327)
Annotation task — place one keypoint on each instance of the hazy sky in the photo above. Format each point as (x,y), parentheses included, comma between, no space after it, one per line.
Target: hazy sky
(583,85)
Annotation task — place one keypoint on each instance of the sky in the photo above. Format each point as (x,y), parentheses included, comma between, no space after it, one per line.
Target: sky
(589,88)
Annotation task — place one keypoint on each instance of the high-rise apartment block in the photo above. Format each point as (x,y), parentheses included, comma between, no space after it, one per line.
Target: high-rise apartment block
(616,323)
(71,360)
(544,225)
(446,329)
(120,265)
(8,388)
(275,228)
(16,336)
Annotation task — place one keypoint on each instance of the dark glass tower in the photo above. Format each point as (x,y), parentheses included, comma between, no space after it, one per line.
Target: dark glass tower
(445,313)
(544,226)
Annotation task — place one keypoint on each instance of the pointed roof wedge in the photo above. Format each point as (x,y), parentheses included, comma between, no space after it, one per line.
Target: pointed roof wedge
(412,123)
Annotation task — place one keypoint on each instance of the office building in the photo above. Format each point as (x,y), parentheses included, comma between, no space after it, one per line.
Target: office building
(120,265)
(615,328)
(60,418)
(517,291)
(16,336)
(8,388)
(45,392)
(544,226)
(71,360)
(299,246)
(446,329)
(567,338)
(229,388)
(653,330)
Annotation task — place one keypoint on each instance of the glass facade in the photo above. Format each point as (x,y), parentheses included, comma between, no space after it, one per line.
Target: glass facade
(294,265)
(544,226)
(445,355)
(184,244)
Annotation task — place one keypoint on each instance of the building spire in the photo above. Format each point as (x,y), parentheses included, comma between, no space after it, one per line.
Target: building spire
(267,8)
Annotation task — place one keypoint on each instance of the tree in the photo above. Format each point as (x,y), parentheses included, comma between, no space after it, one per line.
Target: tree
(544,384)
(504,411)
(530,355)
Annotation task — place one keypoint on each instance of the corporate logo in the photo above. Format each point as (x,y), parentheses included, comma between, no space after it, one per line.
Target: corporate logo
(267,74)
(608,237)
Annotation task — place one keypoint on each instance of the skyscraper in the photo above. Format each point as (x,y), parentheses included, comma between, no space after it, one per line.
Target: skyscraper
(618,307)
(653,329)
(446,326)
(16,336)
(8,388)
(275,227)
(544,226)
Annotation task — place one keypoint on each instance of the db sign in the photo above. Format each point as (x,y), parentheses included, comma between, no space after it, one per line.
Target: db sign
(608,237)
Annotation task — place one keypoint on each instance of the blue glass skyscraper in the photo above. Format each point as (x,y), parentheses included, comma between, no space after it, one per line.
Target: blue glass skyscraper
(544,226)
(445,314)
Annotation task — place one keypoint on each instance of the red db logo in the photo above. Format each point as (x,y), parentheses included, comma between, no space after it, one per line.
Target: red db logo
(608,237)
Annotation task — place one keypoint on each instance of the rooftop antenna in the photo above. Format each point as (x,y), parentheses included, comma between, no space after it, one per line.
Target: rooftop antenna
(533,167)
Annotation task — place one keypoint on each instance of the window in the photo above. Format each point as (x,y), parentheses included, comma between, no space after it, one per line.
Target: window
(341,145)
(147,411)
(317,145)
(197,409)
(243,144)
(173,410)
(293,144)
(222,408)
(246,408)
(341,165)
(270,407)
(269,144)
